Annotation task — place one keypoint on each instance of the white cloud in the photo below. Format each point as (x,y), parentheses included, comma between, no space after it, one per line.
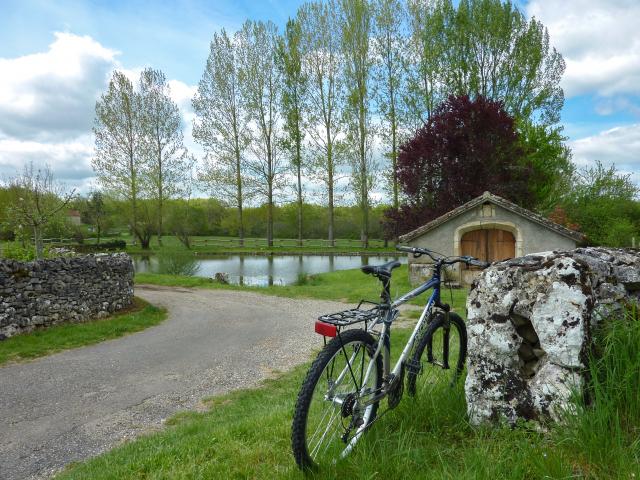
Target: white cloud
(619,146)
(600,41)
(52,95)
(70,160)
(47,103)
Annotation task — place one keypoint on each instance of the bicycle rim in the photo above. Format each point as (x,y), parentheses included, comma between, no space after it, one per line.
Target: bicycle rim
(334,417)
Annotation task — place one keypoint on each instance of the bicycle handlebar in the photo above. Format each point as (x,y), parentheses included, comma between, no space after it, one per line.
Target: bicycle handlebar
(416,251)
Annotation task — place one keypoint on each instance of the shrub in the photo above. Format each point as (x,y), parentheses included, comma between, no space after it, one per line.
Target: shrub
(105,246)
(15,251)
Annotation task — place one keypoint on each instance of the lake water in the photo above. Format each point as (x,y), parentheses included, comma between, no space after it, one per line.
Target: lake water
(255,270)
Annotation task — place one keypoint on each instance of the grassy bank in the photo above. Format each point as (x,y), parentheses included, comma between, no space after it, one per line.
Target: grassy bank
(72,335)
(203,245)
(345,285)
(246,435)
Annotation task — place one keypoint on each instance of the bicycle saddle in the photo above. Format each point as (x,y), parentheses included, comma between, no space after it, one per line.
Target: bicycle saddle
(381,271)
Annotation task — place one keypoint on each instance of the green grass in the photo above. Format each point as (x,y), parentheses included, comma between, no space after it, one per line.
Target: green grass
(73,335)
(219,245)
(345,285)
(246,435)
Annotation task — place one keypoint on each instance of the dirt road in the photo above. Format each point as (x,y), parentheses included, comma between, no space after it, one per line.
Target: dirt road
(73,405)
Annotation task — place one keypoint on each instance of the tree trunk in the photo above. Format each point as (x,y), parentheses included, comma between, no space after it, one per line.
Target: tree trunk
(160,197)
(269,195)
(363,181)
(270,216)
(160,221)
(239,199)
(37,233)
(331,238)
(299,193)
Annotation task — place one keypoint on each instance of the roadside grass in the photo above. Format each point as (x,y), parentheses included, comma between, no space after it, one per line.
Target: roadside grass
(72,335)
(245,434)
(343,285)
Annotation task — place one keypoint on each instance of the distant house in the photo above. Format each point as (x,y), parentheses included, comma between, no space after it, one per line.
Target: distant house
(74,217)
(490,228)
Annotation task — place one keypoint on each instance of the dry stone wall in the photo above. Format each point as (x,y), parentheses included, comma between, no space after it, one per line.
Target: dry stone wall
(71,289)
(530,322)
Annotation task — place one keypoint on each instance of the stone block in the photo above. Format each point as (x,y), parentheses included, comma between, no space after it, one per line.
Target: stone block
(530,323)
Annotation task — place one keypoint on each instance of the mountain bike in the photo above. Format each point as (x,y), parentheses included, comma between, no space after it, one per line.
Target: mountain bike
(341,393)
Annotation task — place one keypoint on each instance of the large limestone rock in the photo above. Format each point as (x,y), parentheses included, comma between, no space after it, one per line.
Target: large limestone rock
(530,321)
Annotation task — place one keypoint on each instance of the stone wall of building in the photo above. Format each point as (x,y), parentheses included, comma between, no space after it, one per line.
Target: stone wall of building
(530,324)
(68,289)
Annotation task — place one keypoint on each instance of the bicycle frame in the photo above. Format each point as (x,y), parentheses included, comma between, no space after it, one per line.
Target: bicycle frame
(383,347)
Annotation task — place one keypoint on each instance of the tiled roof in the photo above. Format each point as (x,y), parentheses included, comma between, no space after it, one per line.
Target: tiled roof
(501,202)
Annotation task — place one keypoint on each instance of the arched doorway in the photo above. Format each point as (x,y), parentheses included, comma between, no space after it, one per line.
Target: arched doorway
(489,245)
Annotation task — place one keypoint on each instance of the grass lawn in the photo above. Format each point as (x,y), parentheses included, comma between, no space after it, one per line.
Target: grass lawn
(72,335)
(220,245)
(346,285)
(246,435)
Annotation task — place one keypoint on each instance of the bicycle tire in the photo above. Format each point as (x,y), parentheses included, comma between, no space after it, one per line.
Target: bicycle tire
(312,385)
(434,337)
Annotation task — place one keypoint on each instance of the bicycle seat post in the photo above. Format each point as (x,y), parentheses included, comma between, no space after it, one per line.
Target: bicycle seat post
(385,295)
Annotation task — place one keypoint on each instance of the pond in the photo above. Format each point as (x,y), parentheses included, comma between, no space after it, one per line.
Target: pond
(255,270)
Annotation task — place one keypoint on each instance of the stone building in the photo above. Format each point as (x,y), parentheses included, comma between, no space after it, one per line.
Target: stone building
(490,228)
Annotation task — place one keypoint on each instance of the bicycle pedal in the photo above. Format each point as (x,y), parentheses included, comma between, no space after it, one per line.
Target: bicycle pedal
(413,366)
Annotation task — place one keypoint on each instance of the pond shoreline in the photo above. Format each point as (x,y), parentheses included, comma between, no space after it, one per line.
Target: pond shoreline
(195,253)
(256,270)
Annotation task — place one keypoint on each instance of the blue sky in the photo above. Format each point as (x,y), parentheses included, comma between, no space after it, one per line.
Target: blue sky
(55,57)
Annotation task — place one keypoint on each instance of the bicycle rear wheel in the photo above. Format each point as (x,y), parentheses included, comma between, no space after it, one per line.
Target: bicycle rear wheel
(328,414)
(441,352)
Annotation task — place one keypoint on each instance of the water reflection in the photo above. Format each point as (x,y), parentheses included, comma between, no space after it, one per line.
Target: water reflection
(256,270)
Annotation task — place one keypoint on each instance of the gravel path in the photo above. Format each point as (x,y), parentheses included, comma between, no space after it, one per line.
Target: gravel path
(76,404)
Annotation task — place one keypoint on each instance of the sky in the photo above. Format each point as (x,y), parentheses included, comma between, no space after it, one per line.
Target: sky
(56,58)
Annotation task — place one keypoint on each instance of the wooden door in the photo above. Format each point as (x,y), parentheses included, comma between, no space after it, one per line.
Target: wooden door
(489,245)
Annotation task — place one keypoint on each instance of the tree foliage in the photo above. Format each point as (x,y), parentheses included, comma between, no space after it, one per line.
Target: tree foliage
(483,47)
(467,147)
(603,204)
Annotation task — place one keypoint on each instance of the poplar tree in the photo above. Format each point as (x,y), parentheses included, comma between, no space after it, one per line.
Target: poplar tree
(119,157)
(390,47)
(322,65)
(167,160)
(221,125)
(261,87)
(356,37)
(293,93)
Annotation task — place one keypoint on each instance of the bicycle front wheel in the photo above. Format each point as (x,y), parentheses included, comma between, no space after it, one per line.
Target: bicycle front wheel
(331,410)
(441,353)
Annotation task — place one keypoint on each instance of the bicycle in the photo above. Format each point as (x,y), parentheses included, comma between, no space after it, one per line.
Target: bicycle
(339,398)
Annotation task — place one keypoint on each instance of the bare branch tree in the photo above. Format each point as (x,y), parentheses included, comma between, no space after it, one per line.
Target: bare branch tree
(38,200)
